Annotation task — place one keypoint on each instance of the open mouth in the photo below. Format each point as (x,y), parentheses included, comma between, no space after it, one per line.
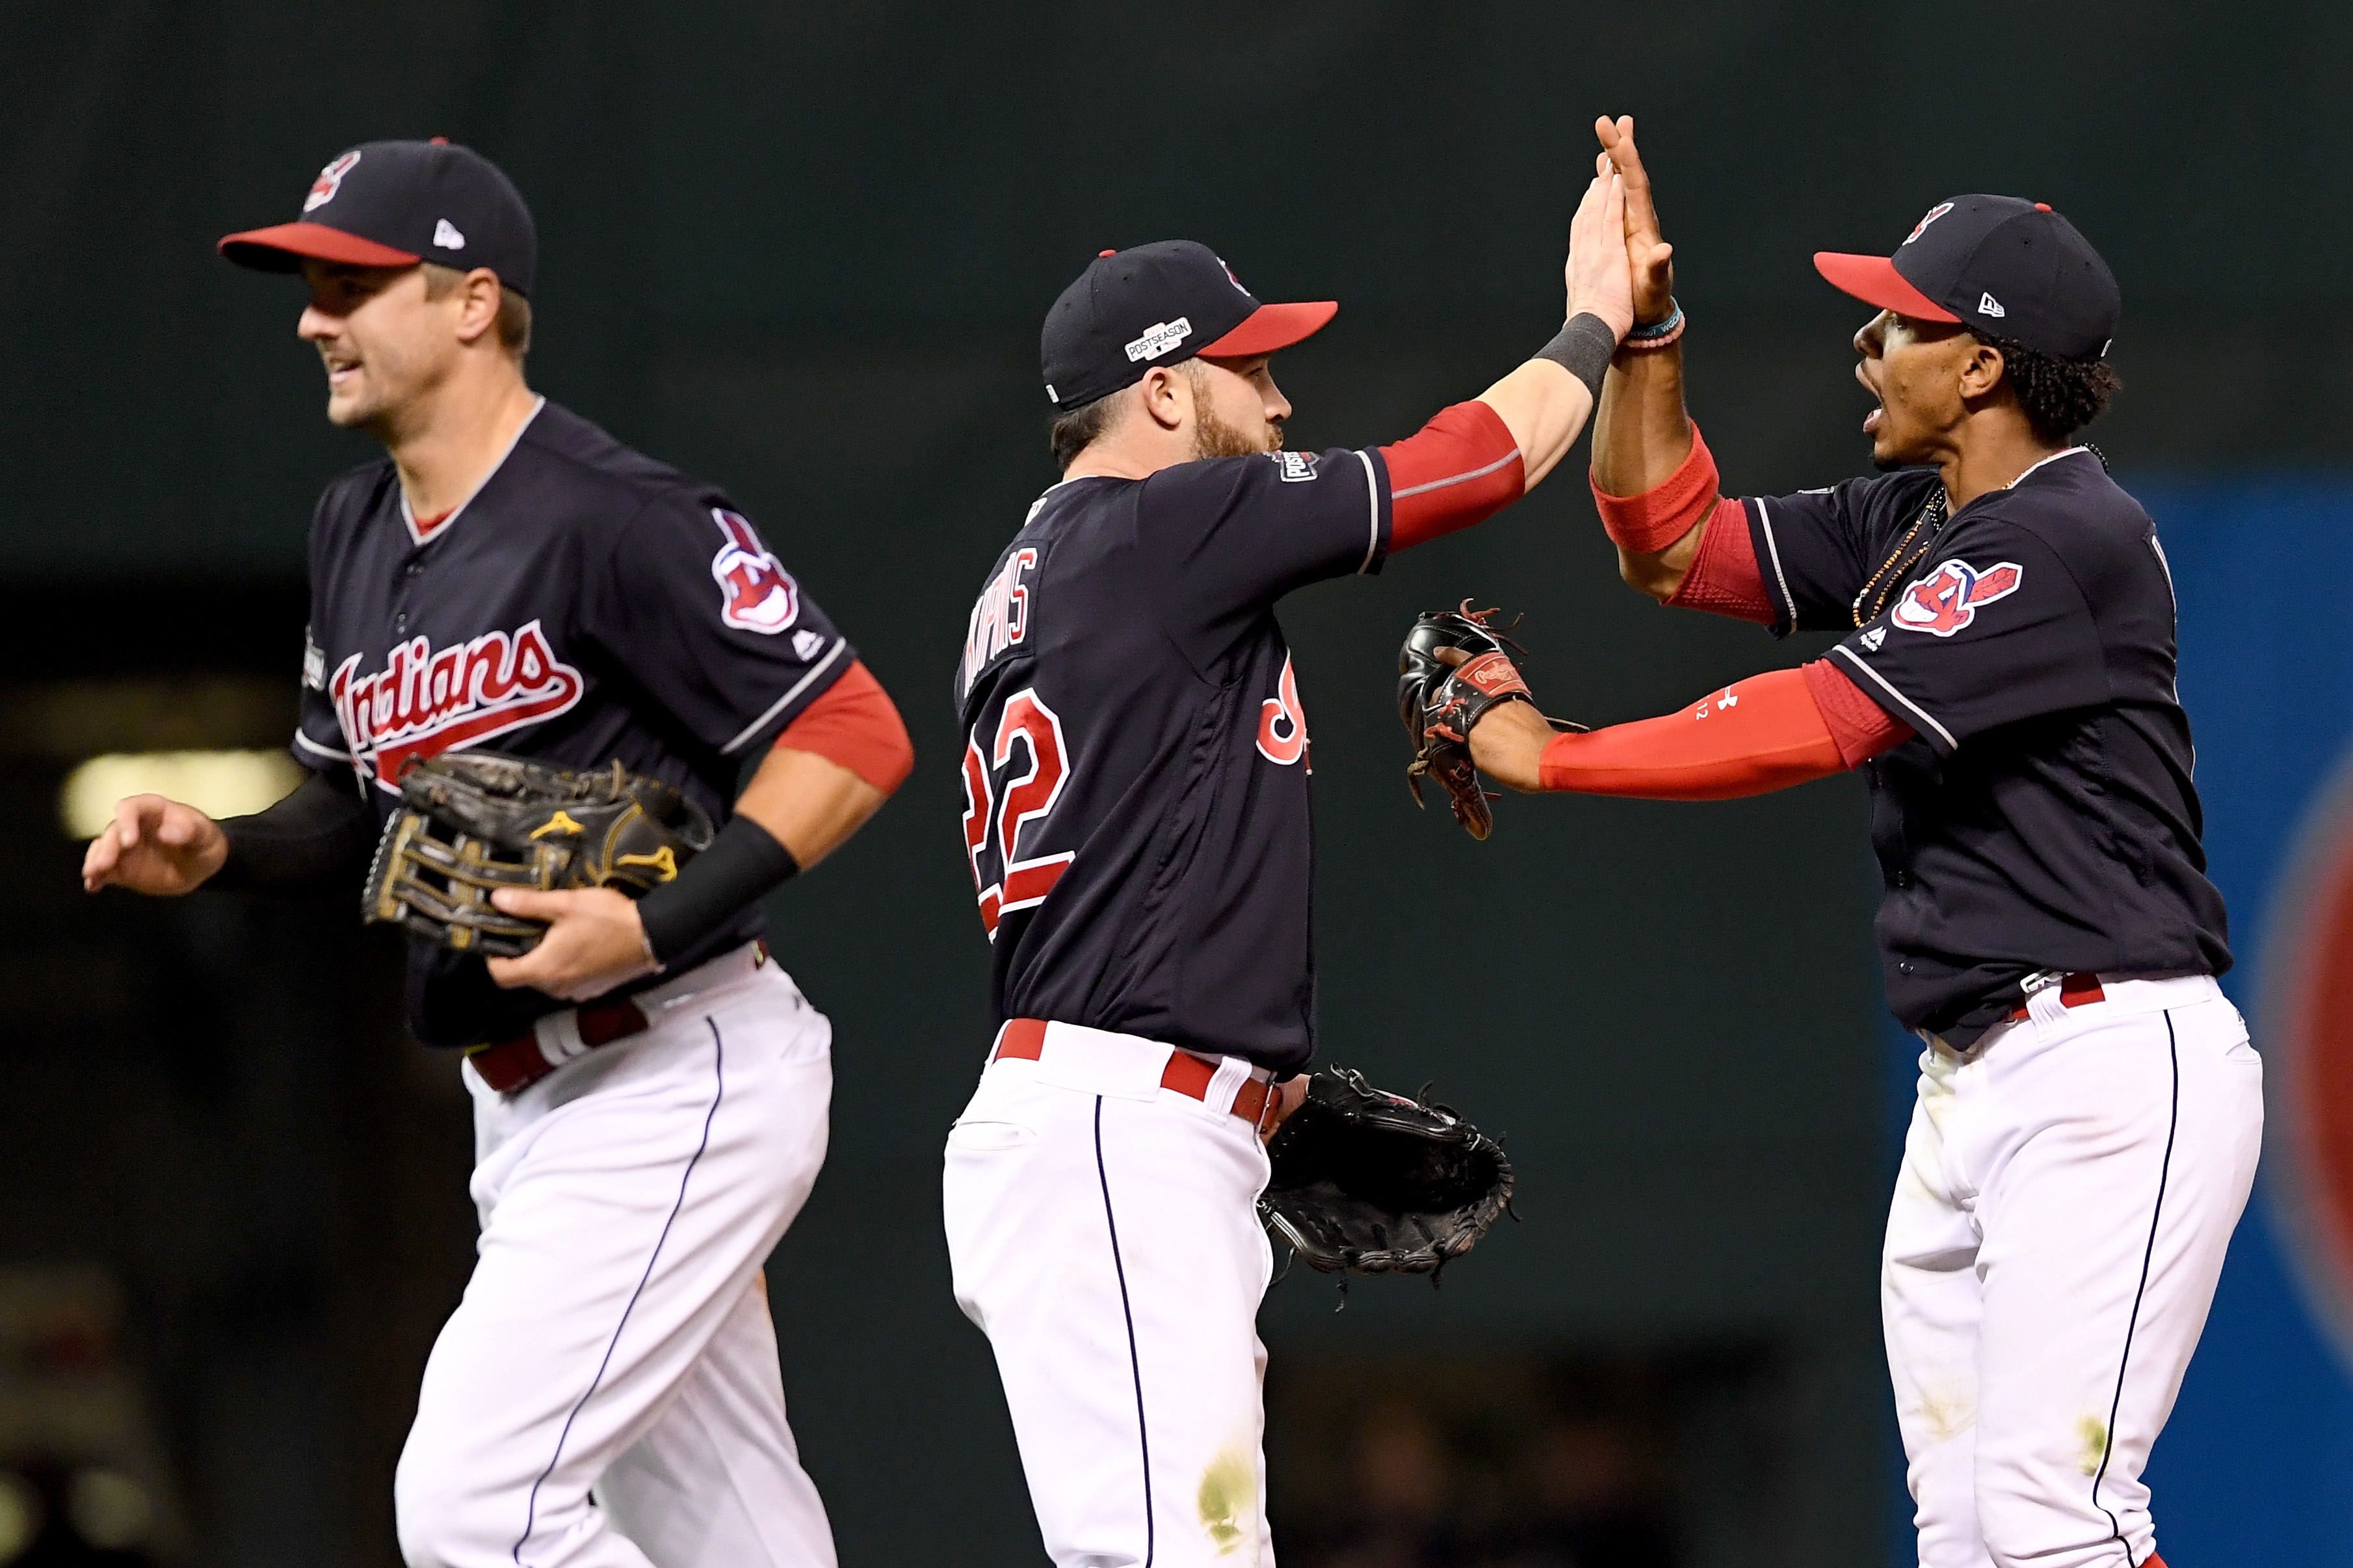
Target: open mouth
(341,372)
(1871,420)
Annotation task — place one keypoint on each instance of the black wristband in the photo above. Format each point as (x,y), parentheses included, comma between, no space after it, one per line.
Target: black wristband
(1583,348)
(745,862)
(316,840)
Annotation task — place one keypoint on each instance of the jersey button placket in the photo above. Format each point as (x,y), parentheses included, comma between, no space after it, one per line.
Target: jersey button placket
(409,573)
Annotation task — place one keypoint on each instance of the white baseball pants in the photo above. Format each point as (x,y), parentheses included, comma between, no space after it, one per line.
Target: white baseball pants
(1103,1233)
(614,1335)
(2068,1190)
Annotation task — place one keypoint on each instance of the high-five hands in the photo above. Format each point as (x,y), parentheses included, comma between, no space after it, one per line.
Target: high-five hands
(1599,278)
(1650,258)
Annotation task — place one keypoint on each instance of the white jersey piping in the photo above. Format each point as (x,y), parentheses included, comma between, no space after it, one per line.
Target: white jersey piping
(408,517)
(1765,518)
(781,703)
(1911,707)
(1373,507)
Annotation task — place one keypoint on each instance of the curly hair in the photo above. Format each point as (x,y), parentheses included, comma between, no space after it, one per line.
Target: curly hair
(2060,395)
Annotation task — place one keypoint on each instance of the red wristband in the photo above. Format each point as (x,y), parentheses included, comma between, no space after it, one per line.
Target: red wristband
(1647,523)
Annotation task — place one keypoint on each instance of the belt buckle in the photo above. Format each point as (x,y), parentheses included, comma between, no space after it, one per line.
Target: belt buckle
(1266,1118)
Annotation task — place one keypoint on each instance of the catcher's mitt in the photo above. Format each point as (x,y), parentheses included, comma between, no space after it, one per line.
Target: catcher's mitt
(1379,1184)
(1440,700)
(473,821)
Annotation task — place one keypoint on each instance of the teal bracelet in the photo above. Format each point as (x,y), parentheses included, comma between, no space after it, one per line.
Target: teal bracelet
(1657,329)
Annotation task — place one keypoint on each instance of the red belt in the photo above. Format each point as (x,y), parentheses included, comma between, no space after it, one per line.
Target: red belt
(512,1064)
(1024,1039)
(2078,990)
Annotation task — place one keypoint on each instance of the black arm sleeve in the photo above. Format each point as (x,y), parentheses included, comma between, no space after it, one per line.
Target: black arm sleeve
(316,840)
(745,862)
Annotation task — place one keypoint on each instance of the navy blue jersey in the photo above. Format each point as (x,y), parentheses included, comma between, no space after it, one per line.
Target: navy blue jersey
(585,604)
(2044,817)
(1135,765)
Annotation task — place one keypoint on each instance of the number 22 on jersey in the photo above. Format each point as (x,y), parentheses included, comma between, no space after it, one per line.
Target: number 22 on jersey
(994,817)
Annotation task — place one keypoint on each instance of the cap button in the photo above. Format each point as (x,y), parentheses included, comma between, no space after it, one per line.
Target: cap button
(2042,206)
(1101,253)
(444,141)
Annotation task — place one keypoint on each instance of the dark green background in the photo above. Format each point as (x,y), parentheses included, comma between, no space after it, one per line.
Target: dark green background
(803,251)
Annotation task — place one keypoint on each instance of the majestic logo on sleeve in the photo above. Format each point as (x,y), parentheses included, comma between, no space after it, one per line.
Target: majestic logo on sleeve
(423,702)
(329,180)
(757,594)
(1947,599)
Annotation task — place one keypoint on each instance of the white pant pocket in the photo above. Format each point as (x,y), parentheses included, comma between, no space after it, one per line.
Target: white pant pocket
(990,1137)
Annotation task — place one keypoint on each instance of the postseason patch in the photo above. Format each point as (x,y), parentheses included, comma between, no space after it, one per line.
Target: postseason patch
(1159,338)
(1947,599)
(1295,467)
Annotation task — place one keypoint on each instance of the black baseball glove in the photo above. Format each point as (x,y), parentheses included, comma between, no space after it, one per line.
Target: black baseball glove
(1379,1184)
(473,821)
(1440,699)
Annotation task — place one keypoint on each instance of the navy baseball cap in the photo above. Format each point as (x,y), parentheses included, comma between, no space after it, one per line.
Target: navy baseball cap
(395,203)
(2012,268)
(1159,304)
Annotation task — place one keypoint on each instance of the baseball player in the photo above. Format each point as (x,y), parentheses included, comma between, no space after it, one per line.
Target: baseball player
(1135,788)
(2089,1108)
(649,1088)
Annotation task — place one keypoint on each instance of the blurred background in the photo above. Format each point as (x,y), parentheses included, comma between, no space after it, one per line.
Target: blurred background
(803,250)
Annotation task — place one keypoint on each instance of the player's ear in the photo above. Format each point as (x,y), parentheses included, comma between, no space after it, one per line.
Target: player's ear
(1166,396)
(1980,369)
(477,305)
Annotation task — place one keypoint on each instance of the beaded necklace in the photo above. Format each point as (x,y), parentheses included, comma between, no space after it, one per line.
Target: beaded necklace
(1925,529)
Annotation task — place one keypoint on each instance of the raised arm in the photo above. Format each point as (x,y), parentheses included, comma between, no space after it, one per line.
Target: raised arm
(1474,458)
(1642,439)
(1544,404)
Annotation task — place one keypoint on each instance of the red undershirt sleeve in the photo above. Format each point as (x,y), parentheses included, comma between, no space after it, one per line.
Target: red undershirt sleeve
(1757,735)
(1460,469)
(856,725)
(1724,578)
(1862,727)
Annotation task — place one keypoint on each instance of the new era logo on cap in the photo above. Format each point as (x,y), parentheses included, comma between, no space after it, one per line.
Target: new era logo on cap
(446,235)
(1990,306)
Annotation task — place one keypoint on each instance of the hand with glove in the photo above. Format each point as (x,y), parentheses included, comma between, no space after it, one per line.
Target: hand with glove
(1374,1183)
(1455,676)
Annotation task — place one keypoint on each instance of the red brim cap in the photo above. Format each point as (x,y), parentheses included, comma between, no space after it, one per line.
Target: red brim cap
(1874,281)
(1272,327)
(282,246)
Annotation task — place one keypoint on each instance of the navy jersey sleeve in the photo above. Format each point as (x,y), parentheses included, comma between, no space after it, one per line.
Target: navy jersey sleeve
(702,617)
(1816,549)
(319,740)
(1995,631)
(1221,540)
